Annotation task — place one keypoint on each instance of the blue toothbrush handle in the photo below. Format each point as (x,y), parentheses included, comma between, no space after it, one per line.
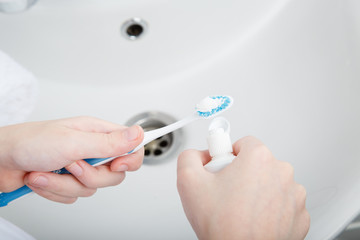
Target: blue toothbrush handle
(91,161)
(6,198)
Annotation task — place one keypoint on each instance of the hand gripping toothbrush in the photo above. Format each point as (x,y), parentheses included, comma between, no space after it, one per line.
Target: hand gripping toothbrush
(205,109)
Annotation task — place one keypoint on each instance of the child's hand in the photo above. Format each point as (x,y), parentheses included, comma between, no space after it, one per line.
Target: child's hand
(255,197)
(29,151)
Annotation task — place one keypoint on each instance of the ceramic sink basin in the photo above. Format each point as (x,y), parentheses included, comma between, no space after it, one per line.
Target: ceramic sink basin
(292,67)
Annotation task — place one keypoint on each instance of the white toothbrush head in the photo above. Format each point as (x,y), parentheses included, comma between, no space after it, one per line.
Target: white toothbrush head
(213,105)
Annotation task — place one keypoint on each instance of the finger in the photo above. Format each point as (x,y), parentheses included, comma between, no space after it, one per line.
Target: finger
(95,177)
(52,196)
(252,150)
(92,124)
(247,142)
(64,185)
(301,226)
(131,162)
(193,159)
(300,196)
(101,145)
(16,182)
(191,172)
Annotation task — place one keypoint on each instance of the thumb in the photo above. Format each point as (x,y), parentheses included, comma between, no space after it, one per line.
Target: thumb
(191,173)
(192,160)
(103,145)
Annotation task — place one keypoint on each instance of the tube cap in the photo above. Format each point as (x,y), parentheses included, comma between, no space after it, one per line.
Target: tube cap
(219,142)
(220,147)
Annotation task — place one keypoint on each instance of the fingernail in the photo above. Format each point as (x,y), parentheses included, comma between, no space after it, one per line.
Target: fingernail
(75,169)
(40,181)
(122,168)
(131,133)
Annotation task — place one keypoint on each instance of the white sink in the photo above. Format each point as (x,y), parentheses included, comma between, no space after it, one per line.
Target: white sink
(292,67)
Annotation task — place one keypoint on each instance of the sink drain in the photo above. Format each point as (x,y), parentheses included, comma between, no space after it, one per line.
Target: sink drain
(134,28)
(163,148)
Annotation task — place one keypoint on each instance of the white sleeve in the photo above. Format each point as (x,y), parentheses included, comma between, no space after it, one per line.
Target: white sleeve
(18,91)
(9,231)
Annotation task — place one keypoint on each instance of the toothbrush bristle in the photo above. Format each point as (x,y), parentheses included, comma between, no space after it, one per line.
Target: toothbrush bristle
(223,103)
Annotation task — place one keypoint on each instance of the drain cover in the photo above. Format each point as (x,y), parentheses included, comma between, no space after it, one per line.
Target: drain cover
(163,148)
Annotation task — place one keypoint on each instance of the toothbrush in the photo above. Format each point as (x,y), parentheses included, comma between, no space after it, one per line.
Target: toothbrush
(207,108)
